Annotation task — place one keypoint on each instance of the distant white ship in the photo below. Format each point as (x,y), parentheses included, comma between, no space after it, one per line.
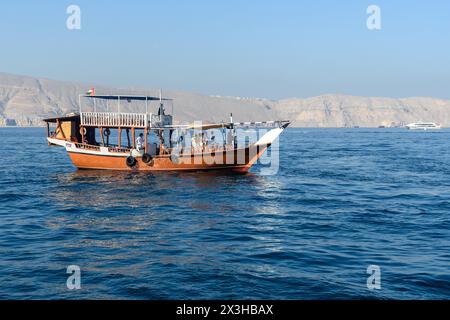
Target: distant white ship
(423,126)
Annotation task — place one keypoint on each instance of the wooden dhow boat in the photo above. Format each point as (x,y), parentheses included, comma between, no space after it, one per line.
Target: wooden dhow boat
(151,142)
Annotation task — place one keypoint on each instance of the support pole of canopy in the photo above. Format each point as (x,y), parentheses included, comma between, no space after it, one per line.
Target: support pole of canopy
(132,137)
(79,106)
(119,139)
(118,104)
(146,140)
(101,136)
(48,131)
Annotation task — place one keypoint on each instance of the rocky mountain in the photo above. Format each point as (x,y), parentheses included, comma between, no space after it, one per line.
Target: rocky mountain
(350,111)
(25,101)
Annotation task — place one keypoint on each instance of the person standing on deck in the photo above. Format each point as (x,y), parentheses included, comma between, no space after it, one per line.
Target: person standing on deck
(140,142)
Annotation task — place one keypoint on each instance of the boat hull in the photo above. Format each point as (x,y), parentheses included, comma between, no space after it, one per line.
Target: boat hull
(238,161)
(213,157)
(423,126)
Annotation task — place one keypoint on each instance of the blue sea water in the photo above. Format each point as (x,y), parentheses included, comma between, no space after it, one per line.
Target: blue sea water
(343,199)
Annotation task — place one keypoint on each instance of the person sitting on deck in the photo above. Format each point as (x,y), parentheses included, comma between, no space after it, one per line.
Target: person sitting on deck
(140,142)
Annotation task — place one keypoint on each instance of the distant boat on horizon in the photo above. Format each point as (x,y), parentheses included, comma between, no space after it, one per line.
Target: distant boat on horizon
(423,126)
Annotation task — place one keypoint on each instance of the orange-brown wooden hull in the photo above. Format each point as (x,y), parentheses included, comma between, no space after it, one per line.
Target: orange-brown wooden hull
(238,161)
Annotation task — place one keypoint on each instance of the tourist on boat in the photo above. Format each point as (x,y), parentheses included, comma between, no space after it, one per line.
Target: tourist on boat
(140,142)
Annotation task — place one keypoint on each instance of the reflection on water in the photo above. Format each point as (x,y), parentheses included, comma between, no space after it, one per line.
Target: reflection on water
(102,189)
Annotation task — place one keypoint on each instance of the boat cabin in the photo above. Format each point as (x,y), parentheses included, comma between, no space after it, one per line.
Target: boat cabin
(64,128)
(97,125)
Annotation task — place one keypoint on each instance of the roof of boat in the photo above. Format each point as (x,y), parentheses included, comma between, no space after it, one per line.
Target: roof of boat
(230,125)
(126,97)
(69,117)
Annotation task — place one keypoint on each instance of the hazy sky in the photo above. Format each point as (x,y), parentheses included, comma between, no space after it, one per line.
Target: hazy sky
(272,49)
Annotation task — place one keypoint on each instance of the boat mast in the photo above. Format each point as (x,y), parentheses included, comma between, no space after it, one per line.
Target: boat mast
(234,131)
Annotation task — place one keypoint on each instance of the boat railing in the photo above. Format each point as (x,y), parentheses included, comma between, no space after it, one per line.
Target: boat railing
(114,119)
(118,149)
(87,146)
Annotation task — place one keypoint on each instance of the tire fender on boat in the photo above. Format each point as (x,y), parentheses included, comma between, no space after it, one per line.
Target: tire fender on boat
(147,159)
(131,161)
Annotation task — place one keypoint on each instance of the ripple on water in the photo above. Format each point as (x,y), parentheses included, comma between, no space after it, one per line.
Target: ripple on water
(342,200)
